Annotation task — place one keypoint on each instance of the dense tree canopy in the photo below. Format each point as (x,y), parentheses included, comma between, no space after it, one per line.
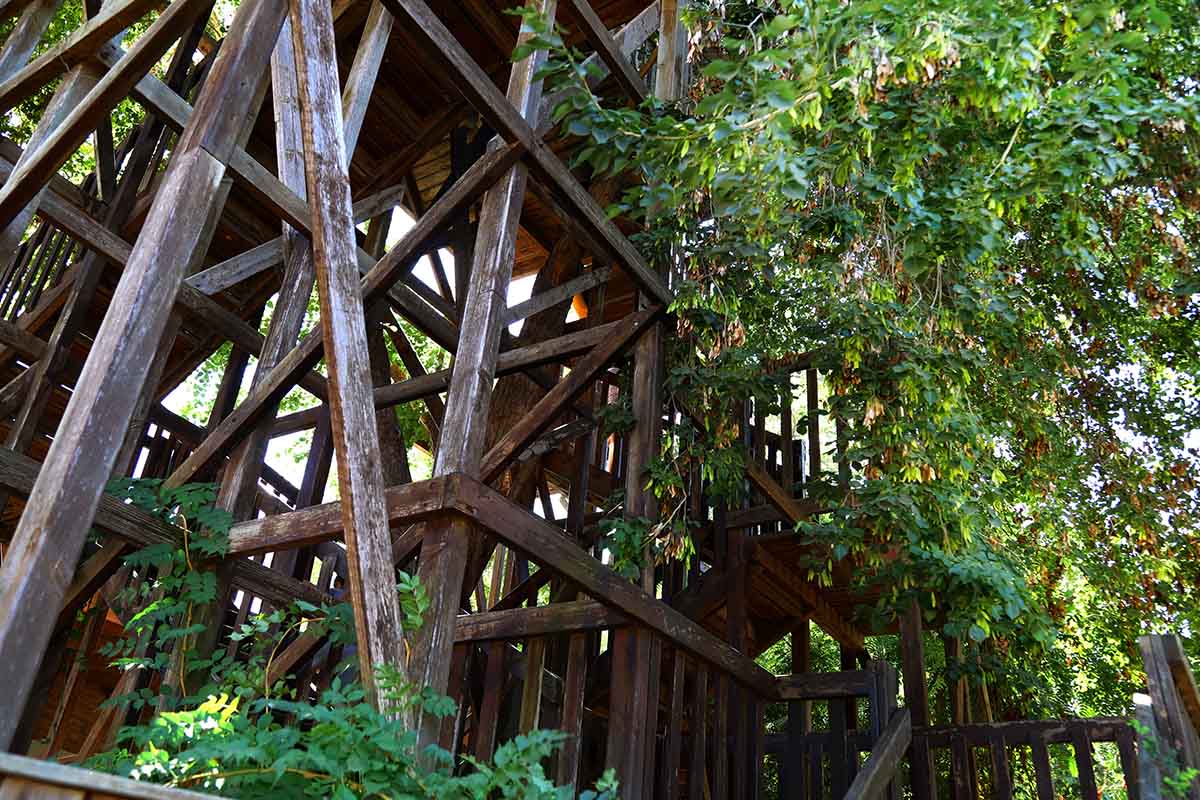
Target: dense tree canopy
(981,216)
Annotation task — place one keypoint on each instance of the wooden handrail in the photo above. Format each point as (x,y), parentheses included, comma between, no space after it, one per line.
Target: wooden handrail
(883,764)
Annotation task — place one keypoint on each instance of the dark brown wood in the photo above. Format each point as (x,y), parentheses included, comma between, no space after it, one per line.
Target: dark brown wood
(522,623)
(1041,768)
(916,698)
(544,543)
(883,764)
(825,685)
(697,730)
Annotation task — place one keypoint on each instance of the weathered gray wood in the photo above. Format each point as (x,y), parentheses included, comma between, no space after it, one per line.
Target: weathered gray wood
(25,35)
(372,582)
(631,37)
(882,765)
(33,172)
(404,504)
(114,17)
(305,355)
(609,51)
(514,125)
(460,446)
(63,501)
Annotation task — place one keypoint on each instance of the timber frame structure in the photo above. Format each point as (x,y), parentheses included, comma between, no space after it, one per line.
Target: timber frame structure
(213,209)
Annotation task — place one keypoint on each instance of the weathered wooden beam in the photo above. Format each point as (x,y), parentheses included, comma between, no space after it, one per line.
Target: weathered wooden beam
(609,51)
(305,355)
(27,180)
(516,127)
(64,499)
(825,685)
(85,42)
(404,504)
(446,542)
(521,623)
(25,35)
(372,580)
(883,764)
(629,39)
(547,409)
(544,543)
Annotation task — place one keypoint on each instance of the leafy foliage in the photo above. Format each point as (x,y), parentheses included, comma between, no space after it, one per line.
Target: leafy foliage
(980,218)
(237,736)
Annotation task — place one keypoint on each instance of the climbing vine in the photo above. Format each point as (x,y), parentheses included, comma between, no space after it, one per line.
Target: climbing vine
(979,219)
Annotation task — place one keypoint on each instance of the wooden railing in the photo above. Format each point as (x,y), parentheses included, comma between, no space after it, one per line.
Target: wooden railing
(883,765)
(823,764)
(1005,744)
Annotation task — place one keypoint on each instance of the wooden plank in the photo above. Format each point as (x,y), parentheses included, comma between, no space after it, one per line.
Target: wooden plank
(629,39)
(1052,731)
(372,580)
(87,781)
(531,690)
(514,126)
(21,340)
(524,623)
(403,505)
(90,37)
(67,492)
(697,729)
(1185,681)
(916,698)
(824,685)
(1041,769)
(1002,785)
(310,350)
(551,404)
(544,543)
(883,764)
(960,768)
(461,441)
(25,35)
(552,297)
(32,174)
(1082,745)
(673,746)
(567,773)
(608,50)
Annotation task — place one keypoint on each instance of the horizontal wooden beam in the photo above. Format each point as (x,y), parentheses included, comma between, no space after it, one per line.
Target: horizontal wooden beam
(407,503)
(142,529)
(826,685)
(522,623)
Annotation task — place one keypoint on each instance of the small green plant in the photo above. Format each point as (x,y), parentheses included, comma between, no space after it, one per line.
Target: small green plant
(239,737)
(1177,781)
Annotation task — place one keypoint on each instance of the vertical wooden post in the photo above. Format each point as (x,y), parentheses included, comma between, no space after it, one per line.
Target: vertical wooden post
(460,448)
(372,584)
(63,501)
(916,697)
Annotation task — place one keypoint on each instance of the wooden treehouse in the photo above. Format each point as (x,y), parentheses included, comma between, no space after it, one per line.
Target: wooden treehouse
(287,156)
